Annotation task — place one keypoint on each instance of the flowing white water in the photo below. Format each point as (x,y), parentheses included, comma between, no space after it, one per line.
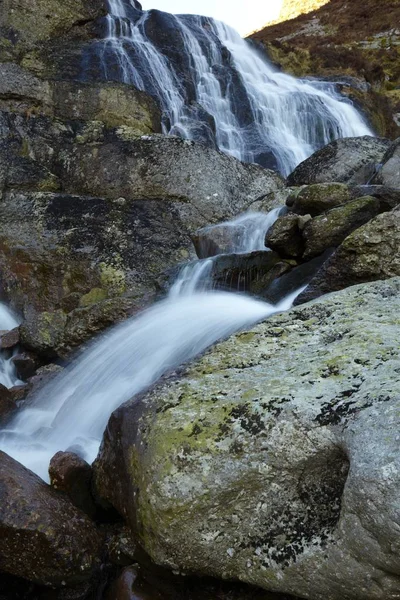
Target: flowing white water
(8,376)
(72,410)
(220,87)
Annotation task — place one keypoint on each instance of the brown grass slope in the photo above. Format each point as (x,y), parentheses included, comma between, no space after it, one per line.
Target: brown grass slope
(358,38)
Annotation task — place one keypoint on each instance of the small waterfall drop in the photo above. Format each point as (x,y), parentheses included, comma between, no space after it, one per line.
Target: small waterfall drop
(72,410)
(215,87)
(8,376)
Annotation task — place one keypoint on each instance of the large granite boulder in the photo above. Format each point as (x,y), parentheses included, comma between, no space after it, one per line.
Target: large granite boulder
(274,458)
(44,538)
(370,253)
(347,160)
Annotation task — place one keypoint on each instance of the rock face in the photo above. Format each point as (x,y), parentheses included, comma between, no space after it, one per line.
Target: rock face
(370,253)
(24,23)
(91,216)
(274,459)
(348,160)
(44,538)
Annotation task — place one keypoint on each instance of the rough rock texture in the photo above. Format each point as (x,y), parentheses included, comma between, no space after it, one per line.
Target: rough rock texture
(330,229)
(71,474)
(285,237)
(371,252)
(319,197)
(90,216)
(274,458)
(25,23)
(389,174)
(44,538)
(7,405)
(356,44)
(388,197)
(113,104)
(347,160)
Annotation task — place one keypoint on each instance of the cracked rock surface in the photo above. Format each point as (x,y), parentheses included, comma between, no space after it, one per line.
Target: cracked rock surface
(274,458)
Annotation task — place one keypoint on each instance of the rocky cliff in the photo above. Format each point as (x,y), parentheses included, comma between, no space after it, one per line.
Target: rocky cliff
(355,43)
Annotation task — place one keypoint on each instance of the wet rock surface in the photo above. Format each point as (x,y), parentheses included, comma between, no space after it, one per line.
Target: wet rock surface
(349,160)
(45,539)
(370,253)
(266,459)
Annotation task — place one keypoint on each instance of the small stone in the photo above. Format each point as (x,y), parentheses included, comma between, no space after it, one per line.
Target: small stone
(9,339)
(71,474)
(285,237)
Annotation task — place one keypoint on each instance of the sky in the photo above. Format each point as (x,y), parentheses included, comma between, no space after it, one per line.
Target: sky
(243,15)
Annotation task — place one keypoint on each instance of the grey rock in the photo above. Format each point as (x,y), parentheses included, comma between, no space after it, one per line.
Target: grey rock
(330,229)
(389,174)
(370,253)
(285,237)
(347,160)
(274,458)
(319,197)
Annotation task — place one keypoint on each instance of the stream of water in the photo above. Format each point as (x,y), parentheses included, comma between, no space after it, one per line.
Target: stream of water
(72,410)
(215,87)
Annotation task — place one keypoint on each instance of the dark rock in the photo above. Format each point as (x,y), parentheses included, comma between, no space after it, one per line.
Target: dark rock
(8,406)
(370,253)
(297,278)
(330,229)
(10,339)
(19,392)
(71,474)
(25,364)
(389,174)
(388,197)
(285,237)
(240,272)
(43,375)
(45,539)
(122,550)
(347,160)
(318,198)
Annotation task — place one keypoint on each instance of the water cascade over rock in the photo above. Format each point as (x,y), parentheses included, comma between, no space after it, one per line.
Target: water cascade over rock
(71,412)
(215,87)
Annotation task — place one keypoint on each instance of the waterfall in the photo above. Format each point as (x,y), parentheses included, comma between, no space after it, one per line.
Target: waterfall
(8,376)
(215,87)
(72,410)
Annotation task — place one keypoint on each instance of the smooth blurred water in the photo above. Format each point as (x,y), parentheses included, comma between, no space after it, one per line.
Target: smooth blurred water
(8,376)
(72,410)
(214,86)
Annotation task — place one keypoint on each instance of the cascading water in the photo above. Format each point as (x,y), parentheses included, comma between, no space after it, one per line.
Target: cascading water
(213,86)
(8,376)
(73,409)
